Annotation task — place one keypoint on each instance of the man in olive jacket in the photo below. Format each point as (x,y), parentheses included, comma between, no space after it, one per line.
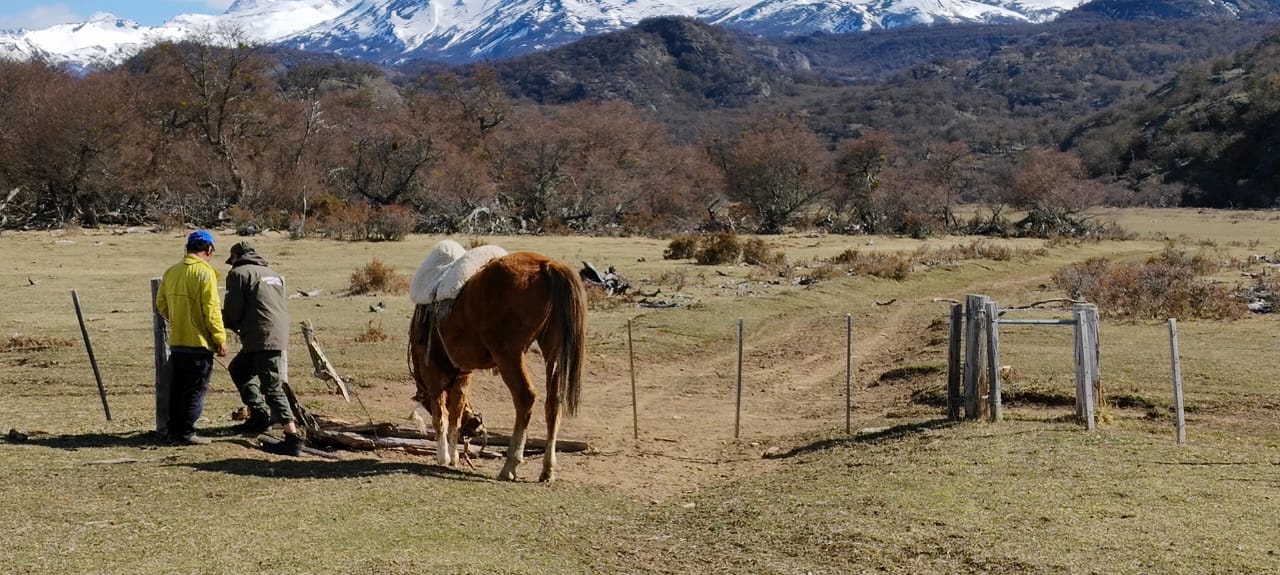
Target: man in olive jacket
(257,309)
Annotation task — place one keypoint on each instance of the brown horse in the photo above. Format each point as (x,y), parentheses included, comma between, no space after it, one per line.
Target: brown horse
(500,311)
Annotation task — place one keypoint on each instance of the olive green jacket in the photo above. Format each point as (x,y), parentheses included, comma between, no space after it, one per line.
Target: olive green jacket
(256,307)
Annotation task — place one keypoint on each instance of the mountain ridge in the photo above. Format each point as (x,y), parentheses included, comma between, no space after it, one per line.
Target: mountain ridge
(462,31)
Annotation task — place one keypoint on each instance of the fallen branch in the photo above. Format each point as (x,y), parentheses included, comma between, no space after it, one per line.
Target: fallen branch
(323,368)
(383,435)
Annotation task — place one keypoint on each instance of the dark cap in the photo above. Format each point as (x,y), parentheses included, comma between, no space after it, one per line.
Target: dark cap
(240,249)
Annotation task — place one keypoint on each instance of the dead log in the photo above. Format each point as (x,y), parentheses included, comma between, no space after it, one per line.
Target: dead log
(387,430)
(353,440)
(300,414)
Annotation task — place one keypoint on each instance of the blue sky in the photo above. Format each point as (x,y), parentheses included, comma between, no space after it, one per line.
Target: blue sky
(40,14)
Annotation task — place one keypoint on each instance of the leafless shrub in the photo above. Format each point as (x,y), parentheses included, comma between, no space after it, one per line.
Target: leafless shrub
(676,278)
(757,253)
(826,271)
(390,223)
(347,222)
(682,247)
(372,334)
(20,342)
(1164,286)
(718,249)
(377,277)
(894,266)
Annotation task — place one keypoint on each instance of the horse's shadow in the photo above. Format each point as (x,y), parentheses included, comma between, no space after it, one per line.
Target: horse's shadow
(887,434)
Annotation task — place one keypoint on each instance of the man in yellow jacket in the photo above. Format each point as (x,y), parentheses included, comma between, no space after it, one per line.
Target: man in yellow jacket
(188,299)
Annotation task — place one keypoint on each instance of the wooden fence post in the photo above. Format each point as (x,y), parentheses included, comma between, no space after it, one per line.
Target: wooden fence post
(737,410)
(635,410)
(973,359)
(954,396)
(1180,421)
(1084,354)
(164,375)
(848,373)
(993,361)
(1091,325)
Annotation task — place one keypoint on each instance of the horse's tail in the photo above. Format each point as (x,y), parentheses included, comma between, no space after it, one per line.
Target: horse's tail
(419,342)
(568,325)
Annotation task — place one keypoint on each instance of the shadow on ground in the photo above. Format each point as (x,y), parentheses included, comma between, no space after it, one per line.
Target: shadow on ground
(304,467)
(886,434)
(316,464)
(140,439)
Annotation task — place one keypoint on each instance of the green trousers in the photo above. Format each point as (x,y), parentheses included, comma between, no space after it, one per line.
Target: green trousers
(257,377)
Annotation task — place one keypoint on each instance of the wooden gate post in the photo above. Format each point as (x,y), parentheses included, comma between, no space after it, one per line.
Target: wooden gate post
(164,374)
(1085,351)
(954,395)
(993,361)
(973,306)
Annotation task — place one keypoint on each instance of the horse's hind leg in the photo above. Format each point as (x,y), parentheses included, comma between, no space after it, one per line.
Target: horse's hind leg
(552,405)
(455,404)
(516,376)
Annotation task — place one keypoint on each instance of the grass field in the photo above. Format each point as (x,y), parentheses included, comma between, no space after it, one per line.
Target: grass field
(906,492)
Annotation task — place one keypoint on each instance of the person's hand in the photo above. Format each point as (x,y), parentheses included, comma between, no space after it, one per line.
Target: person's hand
(222,350)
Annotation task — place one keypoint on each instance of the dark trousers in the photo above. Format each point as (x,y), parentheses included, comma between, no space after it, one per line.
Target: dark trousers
(191,371)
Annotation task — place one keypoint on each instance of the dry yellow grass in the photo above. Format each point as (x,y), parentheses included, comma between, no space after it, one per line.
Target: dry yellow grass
(1033,495)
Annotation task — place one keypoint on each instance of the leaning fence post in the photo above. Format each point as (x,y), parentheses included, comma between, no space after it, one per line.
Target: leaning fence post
(993,360)
(1180,421)
(93,361)
(164,376)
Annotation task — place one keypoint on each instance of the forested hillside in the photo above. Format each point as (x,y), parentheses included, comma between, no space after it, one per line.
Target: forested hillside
(1212,134)
(670,126)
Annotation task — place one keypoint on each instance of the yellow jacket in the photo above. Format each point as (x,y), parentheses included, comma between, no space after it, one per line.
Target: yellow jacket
(188,298)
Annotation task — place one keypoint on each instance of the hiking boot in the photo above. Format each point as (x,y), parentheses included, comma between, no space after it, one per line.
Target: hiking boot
(258,422)
(291,446)
(191,439)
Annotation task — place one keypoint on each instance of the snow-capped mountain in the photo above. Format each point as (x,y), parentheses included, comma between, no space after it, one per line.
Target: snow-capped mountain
(467,30)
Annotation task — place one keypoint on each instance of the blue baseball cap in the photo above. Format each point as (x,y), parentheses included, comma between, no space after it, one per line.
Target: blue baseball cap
(199,236)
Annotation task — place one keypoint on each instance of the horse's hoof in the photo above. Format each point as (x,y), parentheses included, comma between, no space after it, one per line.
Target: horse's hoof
(506,476)
(547,477)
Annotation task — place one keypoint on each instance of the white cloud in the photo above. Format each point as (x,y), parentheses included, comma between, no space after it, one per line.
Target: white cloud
(41,17)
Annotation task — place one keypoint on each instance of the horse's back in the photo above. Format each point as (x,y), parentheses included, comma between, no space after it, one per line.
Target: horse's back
(501,309)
